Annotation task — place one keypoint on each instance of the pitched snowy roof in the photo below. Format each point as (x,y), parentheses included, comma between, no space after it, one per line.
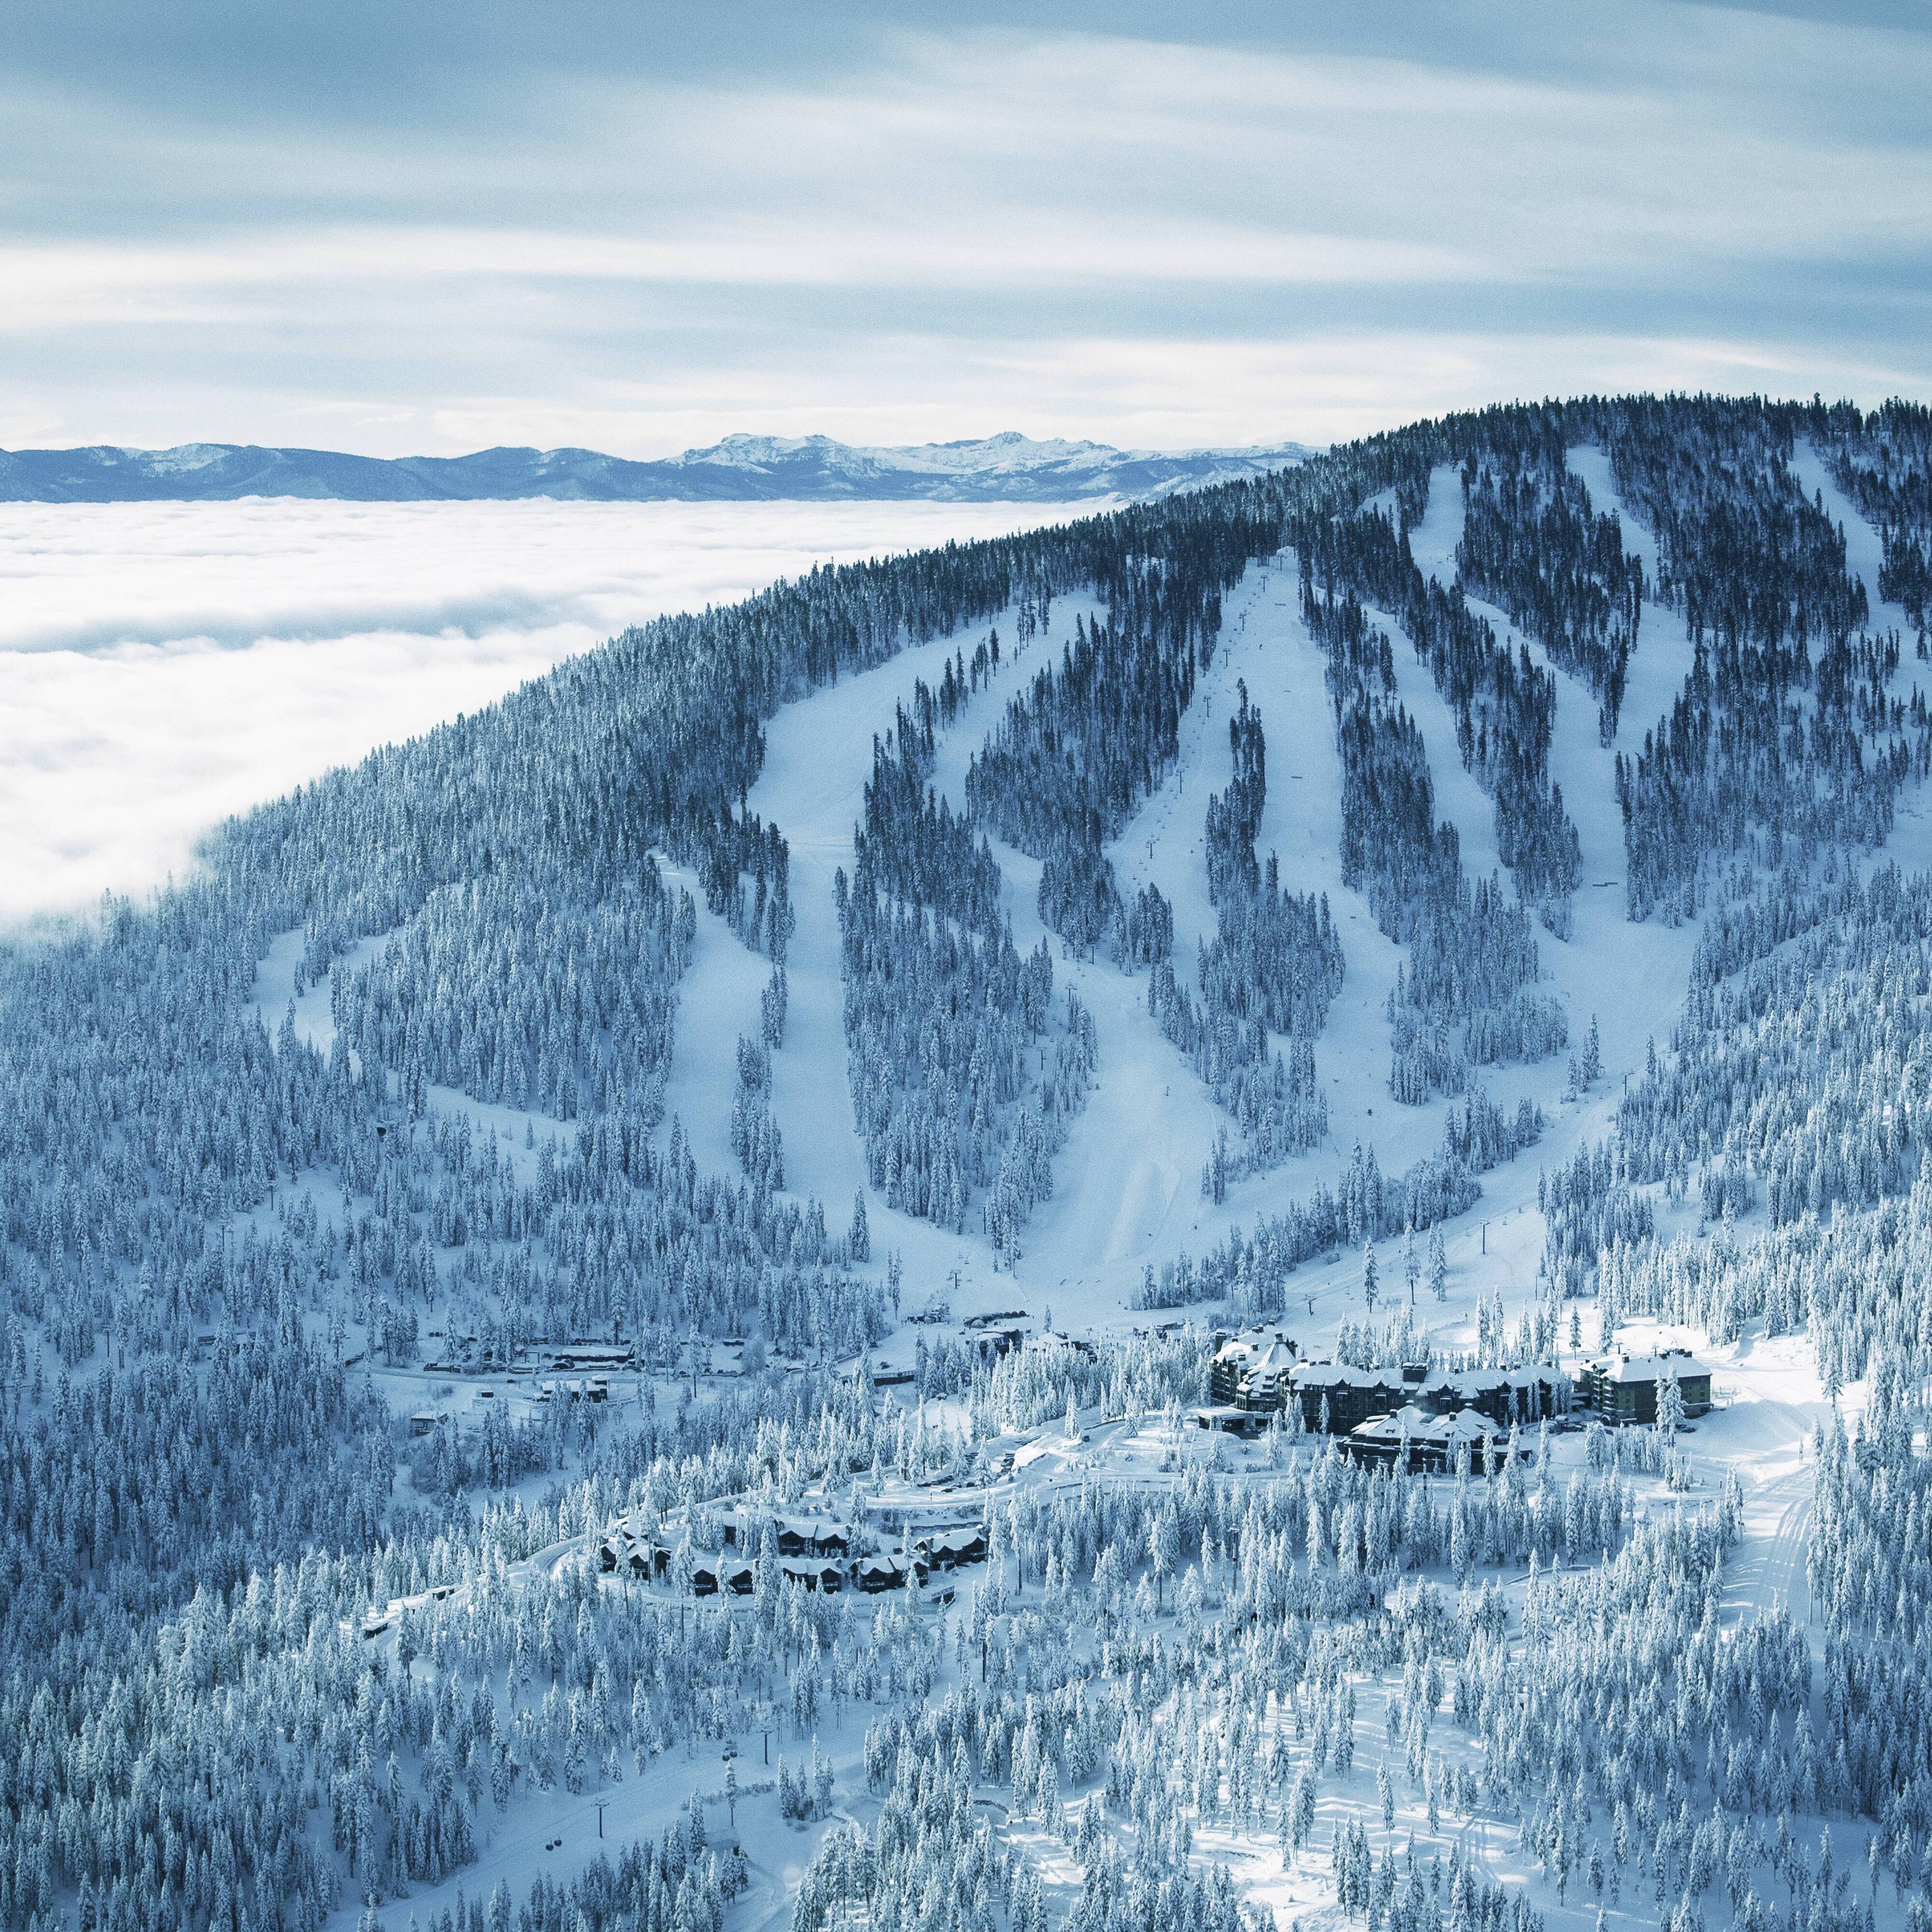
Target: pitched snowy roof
(1339,1374)
(1243,1348)
(940,1542)
(1679,1362)
(1477,1381)
(1389,1428)
(1465,1425)
(804,1568)
(1277,1359)
(818,1527)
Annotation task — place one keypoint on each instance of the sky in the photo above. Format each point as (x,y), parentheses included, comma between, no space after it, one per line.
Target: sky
(395,227)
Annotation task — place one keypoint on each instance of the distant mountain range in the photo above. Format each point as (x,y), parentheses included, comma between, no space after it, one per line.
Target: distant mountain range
(741,468)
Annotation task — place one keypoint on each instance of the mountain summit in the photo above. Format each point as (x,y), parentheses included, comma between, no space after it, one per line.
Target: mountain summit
(1005,468)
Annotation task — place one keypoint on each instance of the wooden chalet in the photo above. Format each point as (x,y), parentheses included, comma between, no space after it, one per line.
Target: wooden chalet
(950,1549)
(881,1572)
(829,1578)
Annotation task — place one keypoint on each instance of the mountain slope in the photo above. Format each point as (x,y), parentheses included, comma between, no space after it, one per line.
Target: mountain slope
(1007,468)
(559,1040)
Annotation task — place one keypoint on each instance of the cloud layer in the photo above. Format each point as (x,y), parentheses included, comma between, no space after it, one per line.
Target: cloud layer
(162,665)
(1150,225)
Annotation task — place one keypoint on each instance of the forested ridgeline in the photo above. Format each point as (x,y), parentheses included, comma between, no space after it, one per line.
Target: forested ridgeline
(1505,706)
(942,1013)
(1464,997)
(1533,544)
(1274,965)
(123,1049)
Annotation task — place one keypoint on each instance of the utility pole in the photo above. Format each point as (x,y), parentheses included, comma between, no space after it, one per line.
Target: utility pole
(601,1803)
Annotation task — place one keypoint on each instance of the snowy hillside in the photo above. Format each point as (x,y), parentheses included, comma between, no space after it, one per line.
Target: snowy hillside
(1218,1217)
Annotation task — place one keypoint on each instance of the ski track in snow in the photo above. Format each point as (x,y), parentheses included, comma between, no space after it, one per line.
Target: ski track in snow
(1127,1185)
(818,759)
(520,1130)
(275,988)
(1661,661)
(1127,1182)
(1911,841)
(718,1002)
(1135,1198)
(1631,977)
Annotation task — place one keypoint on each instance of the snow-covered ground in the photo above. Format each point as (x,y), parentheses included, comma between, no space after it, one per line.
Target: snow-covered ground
(1127,1195)
(1127,1185)
(1127,1188)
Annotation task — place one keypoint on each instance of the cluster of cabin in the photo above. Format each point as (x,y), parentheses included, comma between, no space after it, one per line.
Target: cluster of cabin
(385,1618)
(997,1332)
(470,1354)
(577,1388)
(1432,1418)
(818,1553)
(990,1335)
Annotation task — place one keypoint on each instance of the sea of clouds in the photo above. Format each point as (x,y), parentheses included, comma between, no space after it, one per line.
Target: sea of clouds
(164,664)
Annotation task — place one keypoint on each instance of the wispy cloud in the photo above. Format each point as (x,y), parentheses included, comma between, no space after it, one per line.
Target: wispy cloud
(641,240)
